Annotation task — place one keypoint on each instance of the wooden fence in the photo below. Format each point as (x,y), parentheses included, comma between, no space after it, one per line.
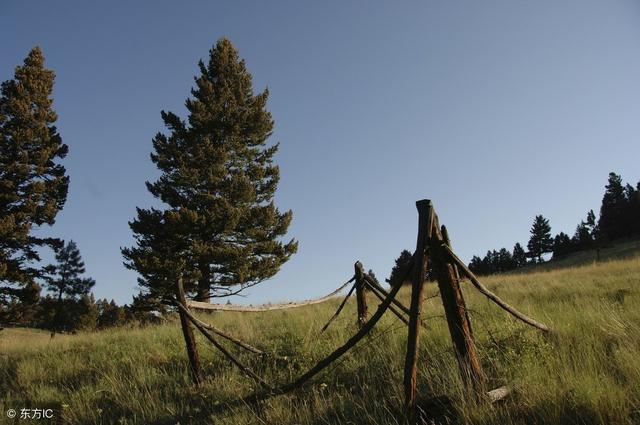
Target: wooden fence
(433,247)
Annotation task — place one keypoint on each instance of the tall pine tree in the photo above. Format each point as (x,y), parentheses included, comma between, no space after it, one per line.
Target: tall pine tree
(540,241)
(33,185)
(221,229)
(66,280)
(612,223)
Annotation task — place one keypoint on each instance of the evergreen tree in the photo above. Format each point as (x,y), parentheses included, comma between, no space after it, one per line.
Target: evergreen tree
(372,275)
(84,315)
(475,265)
(582,237)
(504,261)
(612,223)
(562,245)
(110,314)
(145,309)
(400,269)
(222,228)
(635,210)
(540,241)
(25,310)
(519,256)
(631,217)
(590,223)
(33,185)
(65,276)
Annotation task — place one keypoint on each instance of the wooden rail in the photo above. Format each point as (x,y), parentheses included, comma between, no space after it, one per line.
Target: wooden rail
(264,307)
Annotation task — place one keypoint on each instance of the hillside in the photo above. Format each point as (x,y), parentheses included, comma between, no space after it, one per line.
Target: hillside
(621,249)
(586,372)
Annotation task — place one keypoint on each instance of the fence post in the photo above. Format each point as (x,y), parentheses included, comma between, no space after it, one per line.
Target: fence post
(361,295)
(420,266)
(189,338)
(456,312)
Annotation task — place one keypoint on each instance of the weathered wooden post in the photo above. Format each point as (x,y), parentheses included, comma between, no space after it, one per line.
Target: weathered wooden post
(361,295)
(189,338)
(456,312)
(420,266)
(447,241)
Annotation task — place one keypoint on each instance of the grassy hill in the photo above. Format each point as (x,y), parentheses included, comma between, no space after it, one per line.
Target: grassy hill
(586,372)
(621,249)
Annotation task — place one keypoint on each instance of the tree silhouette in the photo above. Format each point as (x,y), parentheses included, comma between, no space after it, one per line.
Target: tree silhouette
(475,265)
(519,256)
(400,268)
(562,245)
(540,241)
(612,223)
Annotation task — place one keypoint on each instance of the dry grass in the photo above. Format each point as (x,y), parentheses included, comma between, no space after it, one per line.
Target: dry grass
(586,372)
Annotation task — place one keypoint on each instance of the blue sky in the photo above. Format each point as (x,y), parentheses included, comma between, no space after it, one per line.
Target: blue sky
(495,110)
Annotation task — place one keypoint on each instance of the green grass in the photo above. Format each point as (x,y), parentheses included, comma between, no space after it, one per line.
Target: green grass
(586,372)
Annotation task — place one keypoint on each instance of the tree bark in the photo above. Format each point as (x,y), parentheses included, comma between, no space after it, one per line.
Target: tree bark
(204,283)
(189,338)
(421,262)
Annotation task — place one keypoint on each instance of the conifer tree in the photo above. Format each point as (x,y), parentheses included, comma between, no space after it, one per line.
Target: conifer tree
(475,265)
(400,268)
(540,241)
(504,261)
(373,276)
(635,210)
(33,185)
(221,229)
(84,315)
(65,279)
(613,209)
(562,245)
(519,256)
(590,223)
(111,314)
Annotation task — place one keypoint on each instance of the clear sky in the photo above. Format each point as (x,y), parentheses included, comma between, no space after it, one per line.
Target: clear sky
(495,110)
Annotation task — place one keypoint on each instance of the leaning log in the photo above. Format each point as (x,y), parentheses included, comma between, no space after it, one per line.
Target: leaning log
(340,307)
(247,371)
(337,353)
(381,297)
(384,292)
(189,338)
(493,297)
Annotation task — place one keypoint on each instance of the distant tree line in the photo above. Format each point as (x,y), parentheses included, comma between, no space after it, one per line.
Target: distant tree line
(619,218)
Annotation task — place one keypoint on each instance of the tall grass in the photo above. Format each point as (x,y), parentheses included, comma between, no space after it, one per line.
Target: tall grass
(586,372)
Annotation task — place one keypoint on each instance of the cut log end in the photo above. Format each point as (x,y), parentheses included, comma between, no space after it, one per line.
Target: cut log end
(498,394)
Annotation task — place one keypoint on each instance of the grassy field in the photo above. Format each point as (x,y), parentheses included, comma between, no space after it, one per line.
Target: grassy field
(586,372)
